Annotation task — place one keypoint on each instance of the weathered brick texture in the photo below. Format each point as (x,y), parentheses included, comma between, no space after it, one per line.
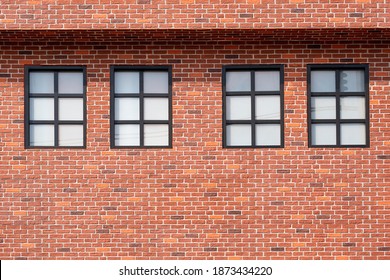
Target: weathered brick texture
(193,14)
(328,203)
(195,200)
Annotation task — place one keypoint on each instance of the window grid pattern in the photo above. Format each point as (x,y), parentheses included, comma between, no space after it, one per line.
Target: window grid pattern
(141,113)
(263,121)
(55,108)
(338,105)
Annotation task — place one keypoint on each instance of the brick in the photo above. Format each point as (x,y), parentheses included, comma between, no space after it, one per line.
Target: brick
(384,249)
(210,249)
(63,250)
(349,244)
(196,200)
(277,249)
(302,230)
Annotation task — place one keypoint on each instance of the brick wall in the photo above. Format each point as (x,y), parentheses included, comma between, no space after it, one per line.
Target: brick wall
(195,200)
(193,14)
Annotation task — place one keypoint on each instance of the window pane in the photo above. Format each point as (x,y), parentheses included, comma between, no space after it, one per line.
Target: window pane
(323,134)
(353,108)
(267,81)
(155,82)
(323,81)
(268,134)
(352,81)
(70,82)
(41,109)
(353,134)
(238,107)
(42,82)
(156,135)
(156,108)
(268,107)
(238,135)
(127,135)
(238,81)
(70,135)
(126,109)
(41,135)
(70,109)
(323,108)
(126,82)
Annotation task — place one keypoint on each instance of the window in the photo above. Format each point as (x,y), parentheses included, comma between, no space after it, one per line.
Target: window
(141,106)
(338,103)
(55,107)
(253,106)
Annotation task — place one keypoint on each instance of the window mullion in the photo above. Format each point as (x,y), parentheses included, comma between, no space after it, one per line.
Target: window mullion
(338,108)
(56,111)
(141,108)
(253,109)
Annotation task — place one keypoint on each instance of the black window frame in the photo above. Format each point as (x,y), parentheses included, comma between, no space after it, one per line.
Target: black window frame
(252,93)
(56,122)
(338,94)
(141,96)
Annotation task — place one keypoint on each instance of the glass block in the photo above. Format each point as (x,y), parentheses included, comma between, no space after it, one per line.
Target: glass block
(353,134)
(70,82)
(239,135)
(156,135)
(268,107)
(238,81)
(41,135)
(155,82)
(127,109)
(323,81)
(352,81)
(71,109)
(42,82)
(268,134)
(127,82)
(323,134)
(238,107)
(70,135)
(41,109)
(353,108)
(323,108)
(267,81)
(127,135)
(156,109)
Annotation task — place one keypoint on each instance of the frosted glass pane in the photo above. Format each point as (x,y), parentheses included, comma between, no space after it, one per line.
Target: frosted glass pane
(238,135)
(156,135)
(267,81)
(268,107)
(353,108)
(156,109)
(155,82)
(70,135)
(323,81)
(126,82)
(41,82)
(352,81)
(238,108)
(70,109)
(41,109)
(70,82)
(127,135)
(353,134)
(323,108)
(238,81)
(323,134)
(268,134)
(42,135)
(126,109)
